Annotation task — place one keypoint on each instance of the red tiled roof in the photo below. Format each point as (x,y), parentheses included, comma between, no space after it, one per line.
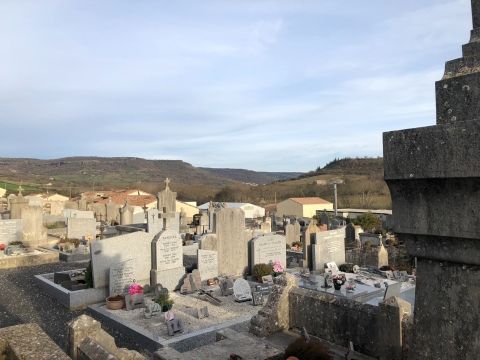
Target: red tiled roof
(119,197)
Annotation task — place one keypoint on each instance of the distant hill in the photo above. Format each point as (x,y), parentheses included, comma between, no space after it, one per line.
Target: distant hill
(82,173)
(350,166)
(253,177)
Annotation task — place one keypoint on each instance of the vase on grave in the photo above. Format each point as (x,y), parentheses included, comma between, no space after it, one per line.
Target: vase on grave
(115,302)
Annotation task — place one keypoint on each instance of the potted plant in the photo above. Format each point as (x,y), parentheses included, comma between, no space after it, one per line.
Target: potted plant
(261,270)
(136,293)
(164,301)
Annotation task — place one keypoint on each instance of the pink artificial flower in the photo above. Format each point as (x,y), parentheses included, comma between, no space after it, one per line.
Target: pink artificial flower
(277,266)
(135,289)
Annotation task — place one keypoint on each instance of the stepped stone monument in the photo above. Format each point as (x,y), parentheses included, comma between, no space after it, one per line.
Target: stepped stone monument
(434,174)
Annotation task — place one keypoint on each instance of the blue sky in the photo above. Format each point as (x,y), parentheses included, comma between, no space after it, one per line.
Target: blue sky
(283,85)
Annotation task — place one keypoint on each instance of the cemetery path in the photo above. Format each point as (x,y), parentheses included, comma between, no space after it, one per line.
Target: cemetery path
(21,302)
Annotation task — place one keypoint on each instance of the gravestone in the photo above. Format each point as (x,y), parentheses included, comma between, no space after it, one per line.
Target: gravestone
(307,239)
(232,247)
(126,214)
(17,204)
(167,260)
(154,224)
(207,261)
(81,228)
(350,236)
(329,246)
(73,213)
(433,175)
(109,251)
(122,275)
(226,287)
(112,212)
(10,231)
(208,242)
(266,227)
(167,205)
(34,233)
(293,233)
(382,256)
(241,290)
(267,249)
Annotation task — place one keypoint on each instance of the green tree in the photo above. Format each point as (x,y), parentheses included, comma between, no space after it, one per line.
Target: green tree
(369,222)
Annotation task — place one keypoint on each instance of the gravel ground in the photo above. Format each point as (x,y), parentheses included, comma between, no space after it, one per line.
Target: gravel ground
(21,302)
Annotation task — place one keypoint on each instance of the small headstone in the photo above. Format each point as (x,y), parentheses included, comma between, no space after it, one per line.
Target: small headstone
(207,264)
(333,267)
(241,290)
(257,298)
(135,301)
(186,287)
(174,326)
(226,287)
(195,280)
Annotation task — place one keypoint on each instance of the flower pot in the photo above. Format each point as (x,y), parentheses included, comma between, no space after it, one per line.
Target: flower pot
(116,302)
(337,286)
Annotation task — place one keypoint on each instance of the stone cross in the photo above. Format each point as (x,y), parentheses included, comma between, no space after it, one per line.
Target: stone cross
(476,13)
(165,215)
(20,189)
(167,183)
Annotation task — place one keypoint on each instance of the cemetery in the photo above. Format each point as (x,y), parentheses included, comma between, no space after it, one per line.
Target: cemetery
(232,282)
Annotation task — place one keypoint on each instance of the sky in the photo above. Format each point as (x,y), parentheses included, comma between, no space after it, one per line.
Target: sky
(269,85)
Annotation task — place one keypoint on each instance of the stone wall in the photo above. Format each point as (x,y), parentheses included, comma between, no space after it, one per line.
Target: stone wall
(376,331)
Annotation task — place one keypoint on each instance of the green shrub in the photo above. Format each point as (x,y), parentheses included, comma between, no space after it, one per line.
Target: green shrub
(89,275)
(261,270)
(164,301)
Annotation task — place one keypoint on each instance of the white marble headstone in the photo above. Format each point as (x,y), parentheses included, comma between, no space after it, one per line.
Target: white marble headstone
(241,290)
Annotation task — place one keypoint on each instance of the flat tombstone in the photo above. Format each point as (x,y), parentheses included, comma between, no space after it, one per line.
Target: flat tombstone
(195,280)
(241,290)
(154,224)
(268,249)
(121,276)
(207,261)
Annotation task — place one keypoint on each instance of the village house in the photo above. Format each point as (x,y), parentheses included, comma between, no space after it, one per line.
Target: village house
(303,207)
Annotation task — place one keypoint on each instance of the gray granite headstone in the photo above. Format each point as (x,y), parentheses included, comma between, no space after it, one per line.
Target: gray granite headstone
(121,276)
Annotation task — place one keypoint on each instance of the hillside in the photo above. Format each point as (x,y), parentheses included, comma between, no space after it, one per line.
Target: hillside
(252,177)
(362,186)
(77,174)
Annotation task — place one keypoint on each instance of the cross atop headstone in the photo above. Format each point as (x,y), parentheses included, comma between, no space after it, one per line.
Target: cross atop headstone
(167,183)
(476,13)
(20,189)
(166,215)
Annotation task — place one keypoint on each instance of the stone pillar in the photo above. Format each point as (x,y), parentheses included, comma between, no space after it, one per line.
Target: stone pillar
(16,205)
(434,174)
